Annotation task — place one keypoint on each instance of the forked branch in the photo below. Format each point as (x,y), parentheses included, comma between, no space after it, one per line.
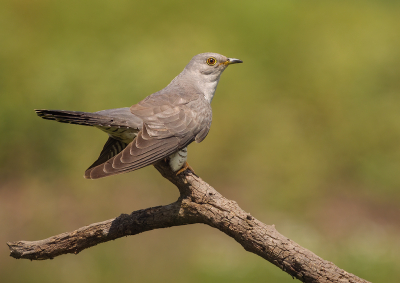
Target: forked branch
(198,203)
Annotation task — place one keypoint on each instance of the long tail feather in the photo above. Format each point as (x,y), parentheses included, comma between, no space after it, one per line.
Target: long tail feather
(77,117)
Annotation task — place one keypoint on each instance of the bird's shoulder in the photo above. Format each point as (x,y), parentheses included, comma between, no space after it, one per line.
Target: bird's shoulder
(168,101)
(174,113)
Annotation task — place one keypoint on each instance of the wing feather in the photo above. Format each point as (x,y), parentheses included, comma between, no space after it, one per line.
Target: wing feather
(110,149)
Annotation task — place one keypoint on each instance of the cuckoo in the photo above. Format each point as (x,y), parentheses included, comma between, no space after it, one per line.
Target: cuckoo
(161,126)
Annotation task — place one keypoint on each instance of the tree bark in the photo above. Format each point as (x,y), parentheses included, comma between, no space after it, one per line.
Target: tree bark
(198,203)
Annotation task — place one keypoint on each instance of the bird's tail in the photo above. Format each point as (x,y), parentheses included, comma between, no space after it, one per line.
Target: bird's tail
(78,118)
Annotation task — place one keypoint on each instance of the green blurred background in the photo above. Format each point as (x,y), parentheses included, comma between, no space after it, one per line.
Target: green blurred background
(306,133)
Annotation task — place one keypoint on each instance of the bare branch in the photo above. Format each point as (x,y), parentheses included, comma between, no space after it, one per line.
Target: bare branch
(198,203)
(88,236)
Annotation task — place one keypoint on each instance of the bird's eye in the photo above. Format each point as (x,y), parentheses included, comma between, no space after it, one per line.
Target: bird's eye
(211,61)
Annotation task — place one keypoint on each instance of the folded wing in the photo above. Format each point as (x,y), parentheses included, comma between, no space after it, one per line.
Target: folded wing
(170,123)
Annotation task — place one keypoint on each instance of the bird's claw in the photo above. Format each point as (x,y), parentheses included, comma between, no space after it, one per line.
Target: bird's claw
(184,167)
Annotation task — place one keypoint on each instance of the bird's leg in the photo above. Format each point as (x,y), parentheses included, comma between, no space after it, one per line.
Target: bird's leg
(185,166)
(178,159)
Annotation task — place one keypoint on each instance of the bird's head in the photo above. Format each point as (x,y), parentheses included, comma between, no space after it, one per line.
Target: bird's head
(210,63)
(203,73)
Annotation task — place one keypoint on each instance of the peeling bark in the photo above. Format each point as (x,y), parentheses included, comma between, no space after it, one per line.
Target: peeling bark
(198,203)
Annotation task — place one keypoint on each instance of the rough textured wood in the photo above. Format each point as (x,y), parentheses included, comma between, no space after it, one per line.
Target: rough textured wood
(198,203)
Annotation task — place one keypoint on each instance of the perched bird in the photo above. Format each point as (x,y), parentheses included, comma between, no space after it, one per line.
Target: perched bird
(161,126)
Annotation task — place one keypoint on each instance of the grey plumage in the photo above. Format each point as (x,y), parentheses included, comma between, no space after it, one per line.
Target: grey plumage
(158,126)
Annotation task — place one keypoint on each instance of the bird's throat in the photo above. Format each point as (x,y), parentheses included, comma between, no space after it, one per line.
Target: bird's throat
(209,90)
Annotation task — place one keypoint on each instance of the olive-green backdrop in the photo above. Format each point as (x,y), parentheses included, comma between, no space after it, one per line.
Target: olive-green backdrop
(305,135)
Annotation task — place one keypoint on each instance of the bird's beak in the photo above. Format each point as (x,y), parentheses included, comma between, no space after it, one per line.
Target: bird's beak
(232,61)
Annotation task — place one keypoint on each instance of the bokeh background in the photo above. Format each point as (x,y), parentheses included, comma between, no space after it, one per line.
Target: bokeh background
(306,133)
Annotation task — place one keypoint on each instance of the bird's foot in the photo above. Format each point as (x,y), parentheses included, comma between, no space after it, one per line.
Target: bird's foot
(184,167)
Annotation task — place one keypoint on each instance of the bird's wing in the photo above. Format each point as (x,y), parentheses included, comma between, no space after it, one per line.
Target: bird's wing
(110,149)
(169,124)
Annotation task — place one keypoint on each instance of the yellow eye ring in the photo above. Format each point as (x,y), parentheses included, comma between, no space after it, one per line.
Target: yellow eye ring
(211,61)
